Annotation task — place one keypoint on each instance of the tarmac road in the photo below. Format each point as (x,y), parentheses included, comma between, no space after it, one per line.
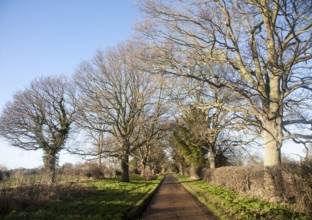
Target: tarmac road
(173,201)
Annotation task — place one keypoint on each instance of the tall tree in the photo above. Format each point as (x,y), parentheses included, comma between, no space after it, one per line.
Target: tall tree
(260,49)
(122,93)
(40,117)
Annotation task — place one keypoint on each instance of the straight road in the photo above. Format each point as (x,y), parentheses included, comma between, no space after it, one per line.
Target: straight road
(173,201)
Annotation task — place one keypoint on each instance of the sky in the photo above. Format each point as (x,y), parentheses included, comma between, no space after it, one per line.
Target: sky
(52,37)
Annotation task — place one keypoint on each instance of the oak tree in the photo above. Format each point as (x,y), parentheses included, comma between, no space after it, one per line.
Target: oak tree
(40,117)
(259,49)
(119,95)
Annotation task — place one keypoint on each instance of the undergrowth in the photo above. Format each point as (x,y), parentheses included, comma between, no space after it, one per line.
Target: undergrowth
(228,205)
(98,199)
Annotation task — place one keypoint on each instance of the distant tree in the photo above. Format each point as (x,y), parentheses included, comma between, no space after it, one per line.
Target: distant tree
(200,105)
(40,117)
(3,172)
(151,155)
(179,161)
(193,149)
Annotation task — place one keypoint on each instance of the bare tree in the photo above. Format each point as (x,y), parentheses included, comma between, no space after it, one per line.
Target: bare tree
(126,98)
(152,135)
(40,118)
(259,49)
(90,122)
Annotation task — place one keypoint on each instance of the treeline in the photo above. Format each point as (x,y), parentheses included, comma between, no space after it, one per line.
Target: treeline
(66,173)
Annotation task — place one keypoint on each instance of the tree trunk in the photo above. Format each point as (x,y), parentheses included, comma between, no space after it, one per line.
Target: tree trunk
(52,176)
(274,183)
(181,169)
(50,160)
(143,168)
(100,160)
(212,159)
(272,138)
(136,168)
(272,124)
(125,168)
(100,148)
(194,171)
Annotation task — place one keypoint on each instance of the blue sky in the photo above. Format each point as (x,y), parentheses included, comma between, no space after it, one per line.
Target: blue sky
(53,37)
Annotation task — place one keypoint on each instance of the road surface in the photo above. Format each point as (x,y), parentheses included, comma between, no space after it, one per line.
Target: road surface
(173,201)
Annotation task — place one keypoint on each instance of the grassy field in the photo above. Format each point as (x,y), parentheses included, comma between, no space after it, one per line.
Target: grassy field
(98,199)
(228,206)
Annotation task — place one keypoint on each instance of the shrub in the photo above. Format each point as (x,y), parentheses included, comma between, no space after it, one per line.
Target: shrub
(93,171)
(297,178)
(292,182)
(227,204)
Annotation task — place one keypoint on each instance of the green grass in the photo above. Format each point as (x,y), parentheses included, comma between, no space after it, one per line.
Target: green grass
(228,205)
(101,199)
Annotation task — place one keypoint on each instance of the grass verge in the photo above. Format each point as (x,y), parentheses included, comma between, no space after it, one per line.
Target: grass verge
(228,205)
(100,199)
